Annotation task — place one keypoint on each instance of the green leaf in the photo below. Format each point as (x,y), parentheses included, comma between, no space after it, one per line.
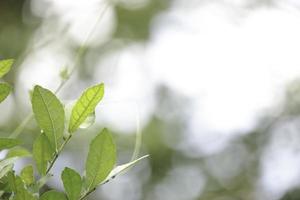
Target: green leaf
(18,152)
(53,195)
(49,113)
(85,106)
(89,121)
(19,189)
(5,89)
(122,169)
(27,175)
(72,183)
(42,153)
(5,66)
(7,143)
(101,159)
(5,170)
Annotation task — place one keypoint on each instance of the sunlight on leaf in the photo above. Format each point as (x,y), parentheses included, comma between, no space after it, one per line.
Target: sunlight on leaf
(5,66)
(85,106)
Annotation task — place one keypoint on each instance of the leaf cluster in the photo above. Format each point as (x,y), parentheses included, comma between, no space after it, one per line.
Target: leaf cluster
(58,123)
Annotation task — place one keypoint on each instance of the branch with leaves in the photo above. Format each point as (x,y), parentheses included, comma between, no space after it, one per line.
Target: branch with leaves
(57,124)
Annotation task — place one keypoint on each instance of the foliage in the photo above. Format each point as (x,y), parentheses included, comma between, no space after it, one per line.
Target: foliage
(57,127)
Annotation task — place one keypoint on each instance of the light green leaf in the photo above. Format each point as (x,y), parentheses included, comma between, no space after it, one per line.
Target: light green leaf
(5,89)
(122,169)
(7,143)
(89,121)
(27,175)
(42,153)
(19,189)
(49,113)
(72,183)
(18,152)
(53,195)
(85,106)
(101,159)
(5,66)
(5,170)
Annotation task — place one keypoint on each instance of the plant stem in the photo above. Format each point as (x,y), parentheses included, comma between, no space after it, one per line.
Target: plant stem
(21,126)
(138,138)
(58,153)
(87,194)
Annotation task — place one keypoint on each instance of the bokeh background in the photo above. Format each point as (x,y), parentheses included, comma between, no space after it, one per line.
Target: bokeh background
(212,85)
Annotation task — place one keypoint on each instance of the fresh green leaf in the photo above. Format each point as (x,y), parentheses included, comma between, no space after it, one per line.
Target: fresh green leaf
(89,121)
(72,183)
(85,106)
(7,143)
(53,195)
(42,153)
(18,152)
(101,159)
(5,66)
(49,113)
(27,175)
(5,89)
(19,189)
(122,169)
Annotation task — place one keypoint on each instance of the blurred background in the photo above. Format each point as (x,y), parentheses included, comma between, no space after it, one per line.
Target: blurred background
(212,85)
